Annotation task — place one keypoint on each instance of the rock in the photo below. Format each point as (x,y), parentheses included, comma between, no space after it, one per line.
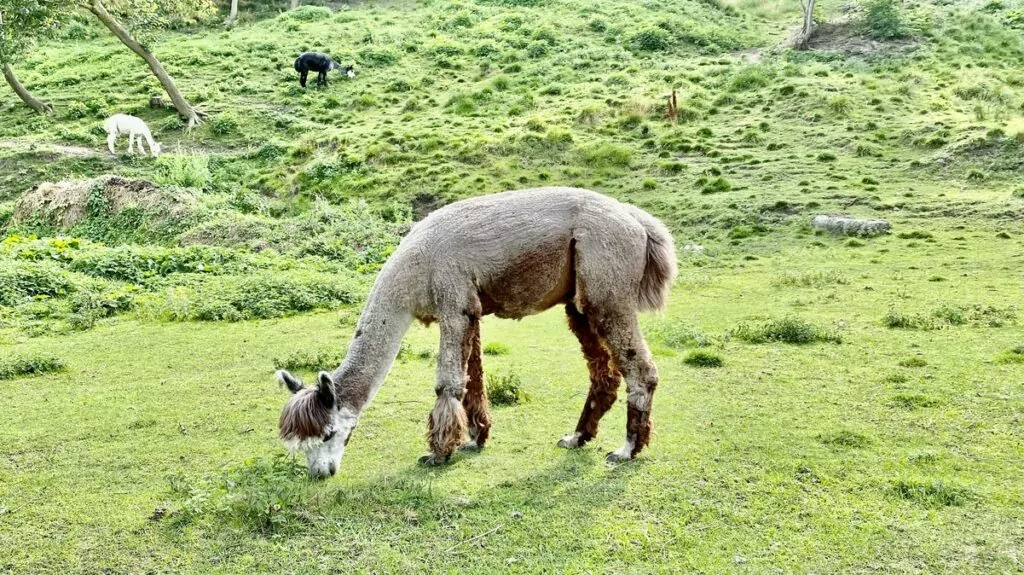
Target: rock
(844,226)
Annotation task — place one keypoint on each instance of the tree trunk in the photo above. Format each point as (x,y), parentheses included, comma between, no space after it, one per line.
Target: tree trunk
(808,27)
(180,104)
(295,4)
(31,101)
(234,11)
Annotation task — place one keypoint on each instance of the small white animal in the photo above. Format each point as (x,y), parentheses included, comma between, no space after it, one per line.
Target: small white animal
(136,130)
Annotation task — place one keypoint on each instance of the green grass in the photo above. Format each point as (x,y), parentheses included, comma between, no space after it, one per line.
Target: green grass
(155,449)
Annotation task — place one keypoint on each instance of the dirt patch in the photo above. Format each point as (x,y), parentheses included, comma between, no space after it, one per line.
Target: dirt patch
(64,204)
(58,149)
(844,36)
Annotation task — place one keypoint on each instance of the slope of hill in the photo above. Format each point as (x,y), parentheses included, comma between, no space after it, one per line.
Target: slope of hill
(865,412)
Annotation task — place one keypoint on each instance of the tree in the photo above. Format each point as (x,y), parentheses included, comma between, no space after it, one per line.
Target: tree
(808,27)
(21,23)
(234,11)
(295,4)
(146,17)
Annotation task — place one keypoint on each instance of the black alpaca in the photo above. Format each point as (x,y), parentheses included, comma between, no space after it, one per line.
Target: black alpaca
(321,64)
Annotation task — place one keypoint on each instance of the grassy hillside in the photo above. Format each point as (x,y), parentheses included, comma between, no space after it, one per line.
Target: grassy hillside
(828,404)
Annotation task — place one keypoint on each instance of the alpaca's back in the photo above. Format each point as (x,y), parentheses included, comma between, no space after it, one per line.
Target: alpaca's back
(527,250)
(125,124)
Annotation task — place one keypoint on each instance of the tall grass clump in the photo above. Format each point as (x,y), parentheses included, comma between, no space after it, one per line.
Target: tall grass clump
(701,358)
(606,155)
(676,334)
(188,170)
(883,20)
(506,389)
(322,359)
(786,330)
(30,364)
(930,493)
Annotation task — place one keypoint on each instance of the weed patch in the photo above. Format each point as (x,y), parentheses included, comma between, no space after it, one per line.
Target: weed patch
(29,364)
(703,359)
(506,389)
(786,330)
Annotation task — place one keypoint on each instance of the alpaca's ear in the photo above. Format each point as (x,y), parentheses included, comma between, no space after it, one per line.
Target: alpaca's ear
(325,389)
(288,380)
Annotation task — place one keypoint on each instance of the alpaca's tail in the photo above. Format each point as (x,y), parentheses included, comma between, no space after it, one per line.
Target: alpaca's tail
(660,270)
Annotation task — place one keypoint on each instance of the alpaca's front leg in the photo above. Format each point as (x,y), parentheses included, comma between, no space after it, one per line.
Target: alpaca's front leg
(110,143)
(446,425)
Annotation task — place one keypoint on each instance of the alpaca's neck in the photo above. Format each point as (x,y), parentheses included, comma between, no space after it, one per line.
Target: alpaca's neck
(373,350)
(145,134)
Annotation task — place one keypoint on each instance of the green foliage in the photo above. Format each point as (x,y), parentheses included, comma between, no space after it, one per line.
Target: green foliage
(883,19)
(845,438)
(262,496)
(786,330)
(188,170)
(315,360)
(703,359)
(506,389)
(931,494)
(20,281)
(495,348)
(815,279)
(1012,355)
(651,40)
(606,155)
(678,335)
(258,296)
(29,364)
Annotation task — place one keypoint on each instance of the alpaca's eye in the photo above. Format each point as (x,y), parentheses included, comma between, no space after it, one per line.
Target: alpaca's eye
(329,436)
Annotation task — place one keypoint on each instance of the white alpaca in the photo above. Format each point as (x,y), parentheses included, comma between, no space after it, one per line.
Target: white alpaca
(135,128)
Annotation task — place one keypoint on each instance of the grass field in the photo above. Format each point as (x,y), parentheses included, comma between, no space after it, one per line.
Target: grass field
(827,404)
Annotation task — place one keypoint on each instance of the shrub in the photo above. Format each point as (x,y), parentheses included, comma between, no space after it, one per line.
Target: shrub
(1012,355)
(651,40)
(811,279)
(606,155)
(714,186)
(27,280)
(914,401)
(506,389)
(845,438)
(29,364)
(913,362)
(930,494)
(323,359)
(224,124)
(495,348)
(786,330)
(188,170)
(259,296)
(703,359)
(883,19)
(264,495)
(676,334)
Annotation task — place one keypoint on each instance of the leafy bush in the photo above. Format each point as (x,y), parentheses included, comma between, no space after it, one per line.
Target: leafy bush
(703,359)
(931,494)
(188,170)
(676,334)
(235,298)
(786,330)
(606,155)
(264,496)
(1012,355)
(495,348)
(25,280)
(323,359)
(223,125)
(845,438)
(506,389)
(883,20)
(651,40)
(29,364)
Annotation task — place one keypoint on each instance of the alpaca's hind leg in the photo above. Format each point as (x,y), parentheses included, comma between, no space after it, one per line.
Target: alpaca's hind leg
(131,143)
(604,379)
(630,353)
(446,425)
(475,400)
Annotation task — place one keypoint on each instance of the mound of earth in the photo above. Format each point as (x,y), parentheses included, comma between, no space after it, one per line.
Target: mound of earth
(845,36)
(66,203)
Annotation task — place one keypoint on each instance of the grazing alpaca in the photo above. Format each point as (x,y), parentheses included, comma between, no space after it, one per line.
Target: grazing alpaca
(321,64)
(136,130)
(511,254)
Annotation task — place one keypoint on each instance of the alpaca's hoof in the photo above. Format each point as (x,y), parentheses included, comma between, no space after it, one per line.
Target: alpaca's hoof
(570,441)
(431,460)
(470,446)
(616,457)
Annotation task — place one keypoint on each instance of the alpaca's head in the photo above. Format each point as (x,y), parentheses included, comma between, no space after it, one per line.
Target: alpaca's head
(313,423)
(155,149)
(346,70)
